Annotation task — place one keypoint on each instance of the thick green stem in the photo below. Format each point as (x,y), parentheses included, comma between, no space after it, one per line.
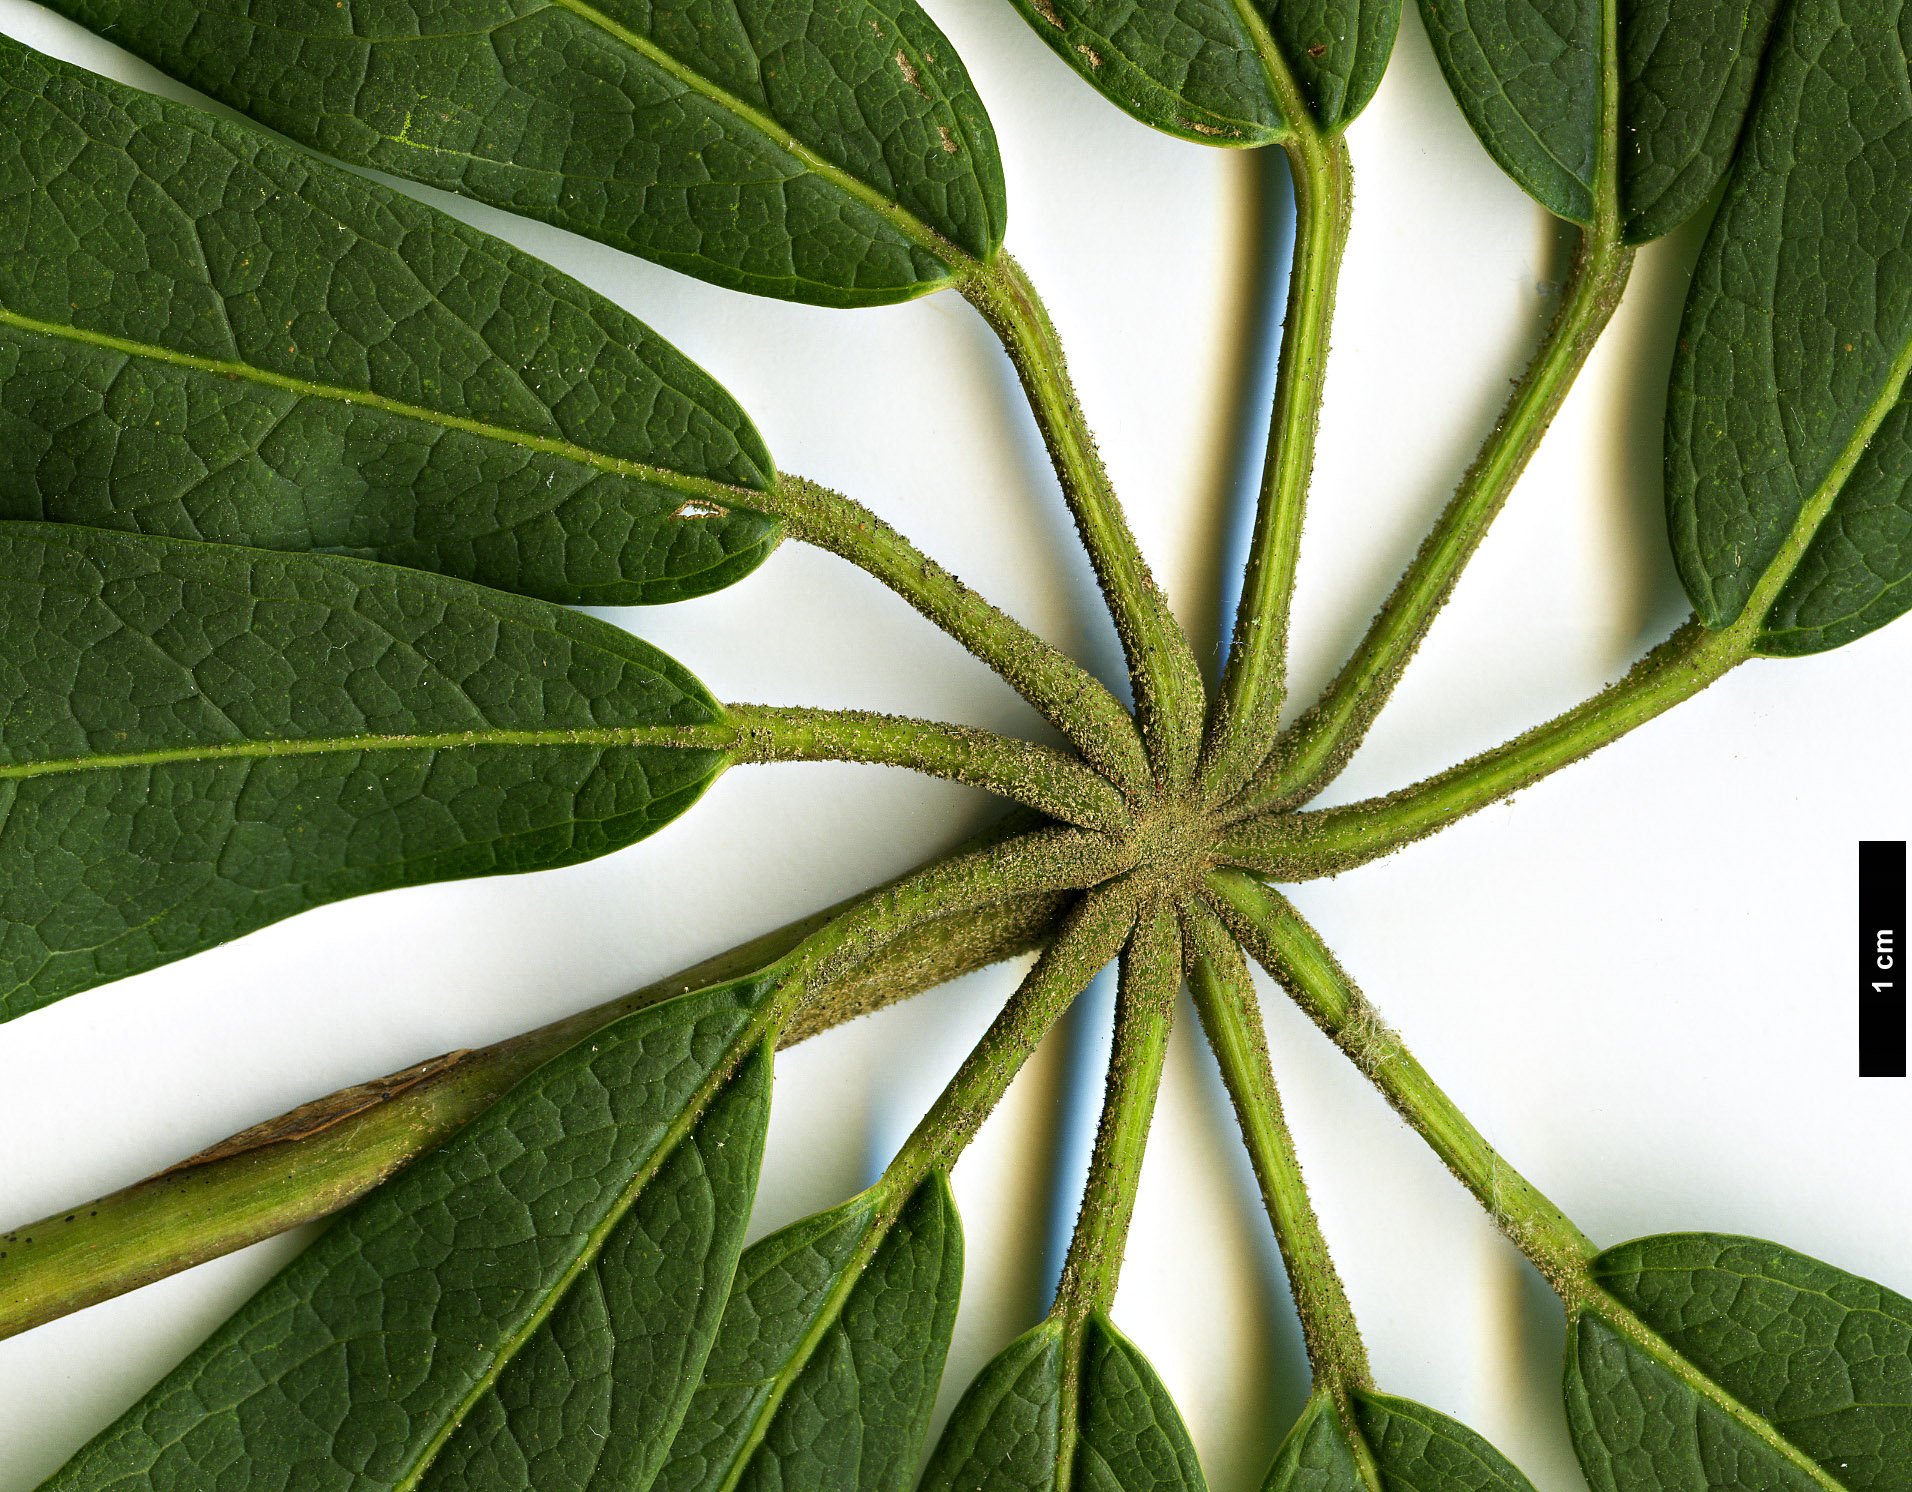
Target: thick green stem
(1039,862)
(1302,846)
(1299,846)
(1144,1009)
(1294,953)
(956,914)
(1225,1000)
(1243,718)
(1170,700)
(1092,934)
(1067,695)
(1038,777)
(1312,752)
(1270,928)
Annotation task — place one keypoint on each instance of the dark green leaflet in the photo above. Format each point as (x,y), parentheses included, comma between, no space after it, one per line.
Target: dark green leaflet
(197,739)
(1771,1370)
(1003,1432)
(1421,1450)
(1337,51)
(832,1344)
(832,154)
(592,1192)
(1403,1447)
(1529,76)
(1007,1433)
(1195,67)
(1687,69)
(590,1403)
(1318,1454)
(208,334)
(1786,441)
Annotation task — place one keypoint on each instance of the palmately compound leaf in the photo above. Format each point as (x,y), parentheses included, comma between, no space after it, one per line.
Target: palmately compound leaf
(208,334)
(1788,448)
(1215,71)
(1529,76)
(835,154)
(1739,1364)
(1017,1423)
(198,739)
(1394,1445)
(832,1345)
(529,1305)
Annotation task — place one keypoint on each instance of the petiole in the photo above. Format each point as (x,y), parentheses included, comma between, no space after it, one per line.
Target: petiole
(1092,933)
(1244,715)
(1170,699)
(1225,1000)
(1302,846)
(1062,691)
(953,915)
(1270,928)
(1038,777)
(1312,752)
(1145,1008)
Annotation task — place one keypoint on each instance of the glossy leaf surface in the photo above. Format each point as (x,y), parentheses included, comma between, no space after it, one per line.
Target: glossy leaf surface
(1124,1433)
(1529,75)
(199,739)
(207,334)
(1395,1445)
(832,1344)
(591,1198)
(1785,405)
(832,154)
(1213,70)
(1765,1369)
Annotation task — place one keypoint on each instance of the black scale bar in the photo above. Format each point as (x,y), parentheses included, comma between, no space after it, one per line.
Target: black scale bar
(1882,954)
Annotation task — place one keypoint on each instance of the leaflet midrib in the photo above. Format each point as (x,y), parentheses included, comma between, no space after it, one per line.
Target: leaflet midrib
(705,488)
(713,736)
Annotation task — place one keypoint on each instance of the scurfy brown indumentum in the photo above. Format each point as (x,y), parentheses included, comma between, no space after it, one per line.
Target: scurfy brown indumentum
(226,707)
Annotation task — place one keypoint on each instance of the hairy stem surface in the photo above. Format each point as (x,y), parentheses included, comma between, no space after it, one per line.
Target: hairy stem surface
(1144,1010)
(1225,1000)
(1170,700)
(1302,846)
(1145,1007)
(1092,934)
(1295,954)
(1067,695)
(1270,928)
(947,918)
(1327,736)
(1314,750)
(1244,716)
(1038,777)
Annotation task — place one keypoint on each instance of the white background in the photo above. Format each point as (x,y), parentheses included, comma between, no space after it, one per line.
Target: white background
(1636,977)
